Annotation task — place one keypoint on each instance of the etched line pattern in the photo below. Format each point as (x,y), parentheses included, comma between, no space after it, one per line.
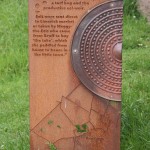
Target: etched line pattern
(101,124)
(96,50)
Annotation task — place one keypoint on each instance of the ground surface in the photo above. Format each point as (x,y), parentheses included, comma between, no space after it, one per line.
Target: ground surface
(14,89)
(144,7)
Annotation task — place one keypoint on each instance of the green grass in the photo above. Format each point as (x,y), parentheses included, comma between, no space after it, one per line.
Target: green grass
(14,99)
(81,128)
(14,95)
(52,146)
(136,86)
(131,8)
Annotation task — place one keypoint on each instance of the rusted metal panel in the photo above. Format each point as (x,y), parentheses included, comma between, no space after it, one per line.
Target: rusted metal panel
(63,112)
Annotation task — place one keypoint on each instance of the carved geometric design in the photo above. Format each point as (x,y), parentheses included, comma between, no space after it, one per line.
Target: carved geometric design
(55,126)
(38,143)
(69,126)
(77,114)
(96,50)
(90,141)
(65,144)
(81,93)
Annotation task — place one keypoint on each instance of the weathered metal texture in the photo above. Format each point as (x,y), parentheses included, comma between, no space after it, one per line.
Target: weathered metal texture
(96,50)
(63,112)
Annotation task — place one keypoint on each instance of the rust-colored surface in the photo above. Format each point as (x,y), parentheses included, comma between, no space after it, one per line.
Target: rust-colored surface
(37,142)
(60,126)
(63,112)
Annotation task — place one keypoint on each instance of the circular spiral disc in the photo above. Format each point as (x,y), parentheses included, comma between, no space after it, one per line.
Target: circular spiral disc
(96,50)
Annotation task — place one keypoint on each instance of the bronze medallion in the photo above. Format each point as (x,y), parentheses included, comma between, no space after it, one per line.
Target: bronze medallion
(96,50)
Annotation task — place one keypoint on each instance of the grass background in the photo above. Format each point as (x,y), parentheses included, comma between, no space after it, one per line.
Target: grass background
(14,88)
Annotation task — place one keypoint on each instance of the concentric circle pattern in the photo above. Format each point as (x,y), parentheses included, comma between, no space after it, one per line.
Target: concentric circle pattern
(96,50)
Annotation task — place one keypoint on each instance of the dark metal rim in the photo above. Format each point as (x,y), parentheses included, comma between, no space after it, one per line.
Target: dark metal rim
(75,46)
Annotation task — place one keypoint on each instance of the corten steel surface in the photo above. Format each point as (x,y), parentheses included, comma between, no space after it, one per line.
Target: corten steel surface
(96,50)
(63,112)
